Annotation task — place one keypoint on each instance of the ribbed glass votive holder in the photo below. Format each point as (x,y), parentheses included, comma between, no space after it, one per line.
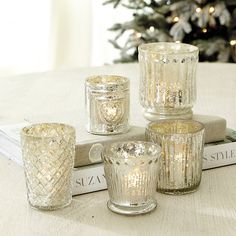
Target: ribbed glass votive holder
(131,170)
(167,80)
(107,104)
(180,166)
(48,155)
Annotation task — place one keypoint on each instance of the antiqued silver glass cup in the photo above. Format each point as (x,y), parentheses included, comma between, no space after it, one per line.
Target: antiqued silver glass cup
(167,87)
(180,166)
(131,170)
(48,151)
(107,103)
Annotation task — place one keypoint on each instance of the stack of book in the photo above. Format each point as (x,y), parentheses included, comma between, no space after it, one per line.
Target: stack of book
(88,174)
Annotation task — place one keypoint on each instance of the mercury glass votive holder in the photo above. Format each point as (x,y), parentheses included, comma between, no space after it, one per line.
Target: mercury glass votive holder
(167,87)
(48,151)
(107,103)
(131,172)
(180,166)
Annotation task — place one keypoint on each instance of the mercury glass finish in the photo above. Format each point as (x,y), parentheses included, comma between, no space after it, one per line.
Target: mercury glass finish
(131,174)
(107,103)
(180,166)
(167,80)
(48,155)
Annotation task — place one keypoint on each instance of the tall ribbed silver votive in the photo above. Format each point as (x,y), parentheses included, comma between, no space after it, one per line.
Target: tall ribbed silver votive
(167,80)
(107,104)
(131,170)
(180,166)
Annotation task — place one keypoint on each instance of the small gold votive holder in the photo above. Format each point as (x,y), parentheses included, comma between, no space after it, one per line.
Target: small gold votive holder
(107,104)
(131,172)
(180,166)
(48,151)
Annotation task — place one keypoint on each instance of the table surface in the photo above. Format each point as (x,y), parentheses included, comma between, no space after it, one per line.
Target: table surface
(59,95)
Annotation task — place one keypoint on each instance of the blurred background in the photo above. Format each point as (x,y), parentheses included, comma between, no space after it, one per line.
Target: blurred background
(55,34)
(61,34)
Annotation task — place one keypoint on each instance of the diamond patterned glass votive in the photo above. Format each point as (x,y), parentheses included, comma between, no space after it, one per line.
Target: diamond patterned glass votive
(167,80)
(131,174)
(107,103)
(180,166)
(48,155)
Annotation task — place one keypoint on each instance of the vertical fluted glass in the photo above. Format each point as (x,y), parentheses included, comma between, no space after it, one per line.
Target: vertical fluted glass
(131,174)
(167,87)
(107,104)
(180,166)
(48,151)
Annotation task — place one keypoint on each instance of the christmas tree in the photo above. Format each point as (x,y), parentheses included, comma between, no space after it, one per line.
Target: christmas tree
(210,25)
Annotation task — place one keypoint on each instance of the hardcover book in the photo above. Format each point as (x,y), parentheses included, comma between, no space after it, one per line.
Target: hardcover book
(91,178)
(87,150)
(220,153)
(88,179)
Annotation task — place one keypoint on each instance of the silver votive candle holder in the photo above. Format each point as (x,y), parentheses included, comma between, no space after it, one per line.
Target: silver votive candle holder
(167,87)
(48,151)
(107,104)
(180,166)
(131,170)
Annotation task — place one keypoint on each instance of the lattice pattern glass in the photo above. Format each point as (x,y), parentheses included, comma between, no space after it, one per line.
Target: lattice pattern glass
(131,174)
(107,103)
(48,155)
(167,80)
(180,166)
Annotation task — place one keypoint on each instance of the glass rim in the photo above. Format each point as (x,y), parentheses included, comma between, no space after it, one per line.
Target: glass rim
(145,47)
(24,130)
(183,121)
(107,148)
(107,82)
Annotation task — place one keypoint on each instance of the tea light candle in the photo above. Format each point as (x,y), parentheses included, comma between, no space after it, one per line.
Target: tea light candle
(107,104)
(170,95)
(180,166)
(131,174)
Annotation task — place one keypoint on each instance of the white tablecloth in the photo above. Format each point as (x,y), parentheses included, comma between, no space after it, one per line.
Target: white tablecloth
(60,95)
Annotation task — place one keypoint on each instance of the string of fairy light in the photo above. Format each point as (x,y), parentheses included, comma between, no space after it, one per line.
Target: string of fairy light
(211,11)
(176,19)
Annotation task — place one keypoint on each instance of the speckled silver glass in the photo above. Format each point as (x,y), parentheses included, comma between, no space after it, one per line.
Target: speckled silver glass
(131,174)
(107,104)
(167,80)
(48,151)
(180,166)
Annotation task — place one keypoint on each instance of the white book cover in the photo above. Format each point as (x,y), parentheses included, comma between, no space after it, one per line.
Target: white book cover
(219,155)
(89,179)
(10,141)
(88,147)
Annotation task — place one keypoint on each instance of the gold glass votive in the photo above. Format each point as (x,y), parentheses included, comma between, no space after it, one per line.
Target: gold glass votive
(180,166)
(167,80)
(48,156)
(131,174)
(107,103)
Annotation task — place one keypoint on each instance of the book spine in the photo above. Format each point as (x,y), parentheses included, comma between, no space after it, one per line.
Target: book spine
(219,155)
(88,179)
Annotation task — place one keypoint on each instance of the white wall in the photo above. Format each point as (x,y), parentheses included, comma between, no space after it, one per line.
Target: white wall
(71,33)
(103,18)
(24,35)
(41,35)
